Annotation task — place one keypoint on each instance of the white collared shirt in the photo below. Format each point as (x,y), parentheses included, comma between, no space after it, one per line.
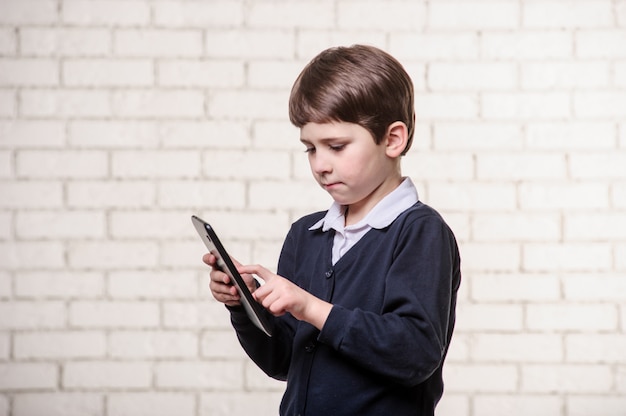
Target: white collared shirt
(383,214)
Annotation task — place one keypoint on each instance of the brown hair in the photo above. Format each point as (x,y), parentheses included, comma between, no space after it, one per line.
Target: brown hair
(357,84)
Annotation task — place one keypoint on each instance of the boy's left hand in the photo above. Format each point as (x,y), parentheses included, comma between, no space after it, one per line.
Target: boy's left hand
(279,295)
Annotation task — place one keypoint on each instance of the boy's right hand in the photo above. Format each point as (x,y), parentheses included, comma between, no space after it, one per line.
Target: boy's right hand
(221,287)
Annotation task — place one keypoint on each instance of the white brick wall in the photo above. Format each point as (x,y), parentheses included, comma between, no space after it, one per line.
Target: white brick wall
(120,119)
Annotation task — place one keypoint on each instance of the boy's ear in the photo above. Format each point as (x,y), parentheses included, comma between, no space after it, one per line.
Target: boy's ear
(397,138)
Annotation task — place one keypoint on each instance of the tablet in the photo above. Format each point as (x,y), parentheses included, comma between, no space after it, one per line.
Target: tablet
(254,309)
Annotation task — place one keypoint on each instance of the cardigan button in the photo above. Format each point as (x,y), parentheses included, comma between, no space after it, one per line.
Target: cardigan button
(309,348)
(329,273)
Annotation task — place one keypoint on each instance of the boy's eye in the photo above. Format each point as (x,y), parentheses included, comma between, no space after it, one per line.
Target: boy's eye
(337,147)
(309,150)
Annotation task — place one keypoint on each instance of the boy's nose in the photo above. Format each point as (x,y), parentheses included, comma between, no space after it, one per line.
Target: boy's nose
(320,165)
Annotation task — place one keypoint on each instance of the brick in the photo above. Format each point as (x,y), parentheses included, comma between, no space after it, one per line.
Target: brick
(221,345)
(476,136)
(95,194)
(514,348)
(473,15)
(446,106)
(153,284)
(620,10)
(153,345)
(65,41)
(8,42)
(189,375)
(149,225)
(565,378)
(581,405)
(595,226)
(565,75)
(151,404)
(107,73)
(32,255)
(618,195)
(28,72)
(157,43)
(18,134)
(99,13)
(433,46)
(525,106)
(600,43)
(58,404)
(31,194)
(205,314)
(257,380)
(487,317)
(438,166)
(7,170)
(5,347)
(273,74)
(32,315)
(598,165)
(112,134)
(620,257)
(524,166)
(514,287)
(501,378)
(571,317)
(113,255)
(155,164)
(59,225)
(59,284)
(113,314)
(253,44)
(406,15)
(62,164)
(65,103)
(218,134)
(5,284)
(255,164)
(567,257)
(27,376)
(525,45)
(218,74)
(570,135)
(517,405)
(247,104)
(233,226)
(472,76)
(491,257)
(567,14)
(29,12)
(8,103)
(106,375)
(595,348)
(218,404)
(160,104)
(454,405)
(199,14)
(619,74)
(561,195)
(471,196)
(516,227)
(189,194)
(302,14)
(59,345)
(594,287)
(600,105)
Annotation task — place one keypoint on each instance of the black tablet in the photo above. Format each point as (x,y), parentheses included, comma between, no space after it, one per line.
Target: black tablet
(254,309)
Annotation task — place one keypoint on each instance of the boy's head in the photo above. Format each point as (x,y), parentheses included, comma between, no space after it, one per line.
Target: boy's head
(358,84)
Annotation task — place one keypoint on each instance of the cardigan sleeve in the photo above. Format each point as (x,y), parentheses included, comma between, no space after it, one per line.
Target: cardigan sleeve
(406,342)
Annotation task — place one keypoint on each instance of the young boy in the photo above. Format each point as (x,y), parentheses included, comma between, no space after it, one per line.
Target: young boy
(364,298)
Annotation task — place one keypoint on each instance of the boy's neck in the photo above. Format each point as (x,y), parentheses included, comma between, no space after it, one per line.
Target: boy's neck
(354,213)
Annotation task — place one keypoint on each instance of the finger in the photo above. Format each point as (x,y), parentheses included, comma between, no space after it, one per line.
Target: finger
(258,270)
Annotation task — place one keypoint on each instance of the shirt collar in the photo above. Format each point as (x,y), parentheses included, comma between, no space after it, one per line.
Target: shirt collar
(383,213)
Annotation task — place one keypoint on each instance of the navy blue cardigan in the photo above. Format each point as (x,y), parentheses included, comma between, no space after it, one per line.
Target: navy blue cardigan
(382,348)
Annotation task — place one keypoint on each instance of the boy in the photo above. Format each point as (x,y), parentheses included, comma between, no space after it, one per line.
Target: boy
(364,298)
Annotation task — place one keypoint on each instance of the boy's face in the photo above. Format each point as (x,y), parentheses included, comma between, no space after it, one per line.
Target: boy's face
(349,165)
